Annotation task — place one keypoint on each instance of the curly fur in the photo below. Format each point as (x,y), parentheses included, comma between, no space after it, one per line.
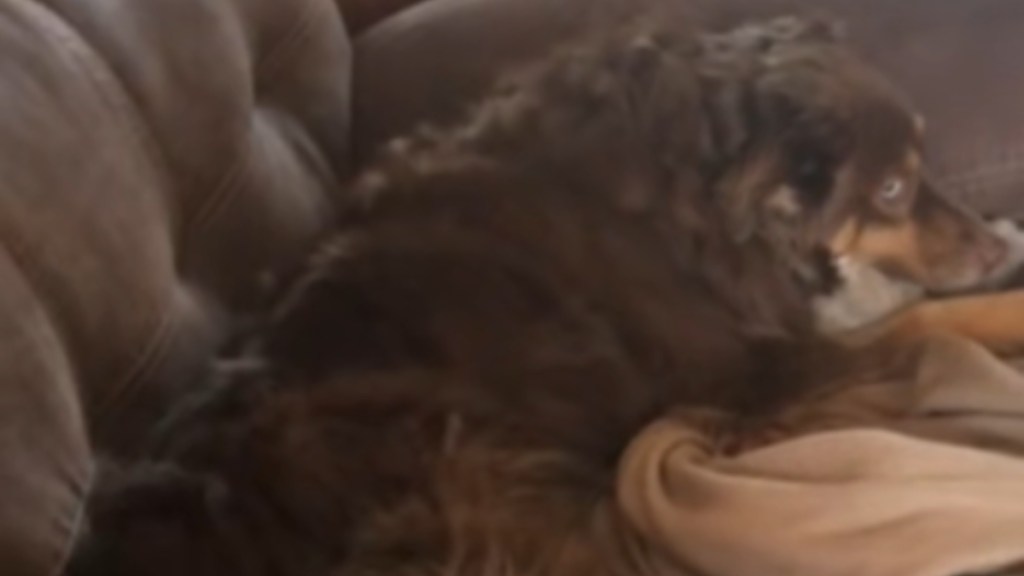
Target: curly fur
(448,386)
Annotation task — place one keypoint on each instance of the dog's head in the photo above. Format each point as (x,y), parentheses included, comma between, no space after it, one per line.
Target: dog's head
(912,233)
(818,154)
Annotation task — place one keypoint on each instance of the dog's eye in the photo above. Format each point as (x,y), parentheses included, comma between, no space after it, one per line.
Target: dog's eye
(893,191)
(894,195)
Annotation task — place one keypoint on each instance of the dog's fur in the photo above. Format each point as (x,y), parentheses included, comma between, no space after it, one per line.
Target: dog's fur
(641,222)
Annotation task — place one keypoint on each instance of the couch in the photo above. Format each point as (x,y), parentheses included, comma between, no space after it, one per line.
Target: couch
(163,159)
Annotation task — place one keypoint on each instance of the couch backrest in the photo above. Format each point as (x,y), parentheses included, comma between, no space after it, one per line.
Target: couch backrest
(957,59)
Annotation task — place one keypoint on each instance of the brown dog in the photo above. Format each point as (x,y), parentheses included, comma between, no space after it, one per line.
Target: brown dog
(638,223)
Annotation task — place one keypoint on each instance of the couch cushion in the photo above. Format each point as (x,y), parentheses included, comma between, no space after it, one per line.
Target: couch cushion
(157,159)
(45,465)
(190,168)
(956,59)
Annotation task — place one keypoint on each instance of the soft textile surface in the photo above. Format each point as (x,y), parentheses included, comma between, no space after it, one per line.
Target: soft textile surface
(915,478)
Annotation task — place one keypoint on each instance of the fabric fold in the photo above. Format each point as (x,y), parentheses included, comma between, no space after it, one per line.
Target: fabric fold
(905,486)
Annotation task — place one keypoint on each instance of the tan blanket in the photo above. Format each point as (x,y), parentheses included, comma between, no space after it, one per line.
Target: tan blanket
(916,478)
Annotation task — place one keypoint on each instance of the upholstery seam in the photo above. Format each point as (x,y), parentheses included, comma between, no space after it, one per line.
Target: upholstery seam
(1011,165)
(996,174)
(78,522)
(106,86)
(142,366)
(221,195)
(59,335)
(264,70)
(113,91)
(271,61)
(136,368)
(275,61)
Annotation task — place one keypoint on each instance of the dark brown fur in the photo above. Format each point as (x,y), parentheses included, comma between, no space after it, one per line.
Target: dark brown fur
(447,390)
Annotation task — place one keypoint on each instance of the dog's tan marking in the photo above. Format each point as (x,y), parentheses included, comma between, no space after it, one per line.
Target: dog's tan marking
(844,238)
(913,162)
(890,245)
(920,125)
(894,245)
(784,202)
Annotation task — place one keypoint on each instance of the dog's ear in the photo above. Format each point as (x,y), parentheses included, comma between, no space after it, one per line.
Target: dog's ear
(658,90)
(800,136)
(661,93)
(745,189)
(726,127)
(808,119)
(746,127)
